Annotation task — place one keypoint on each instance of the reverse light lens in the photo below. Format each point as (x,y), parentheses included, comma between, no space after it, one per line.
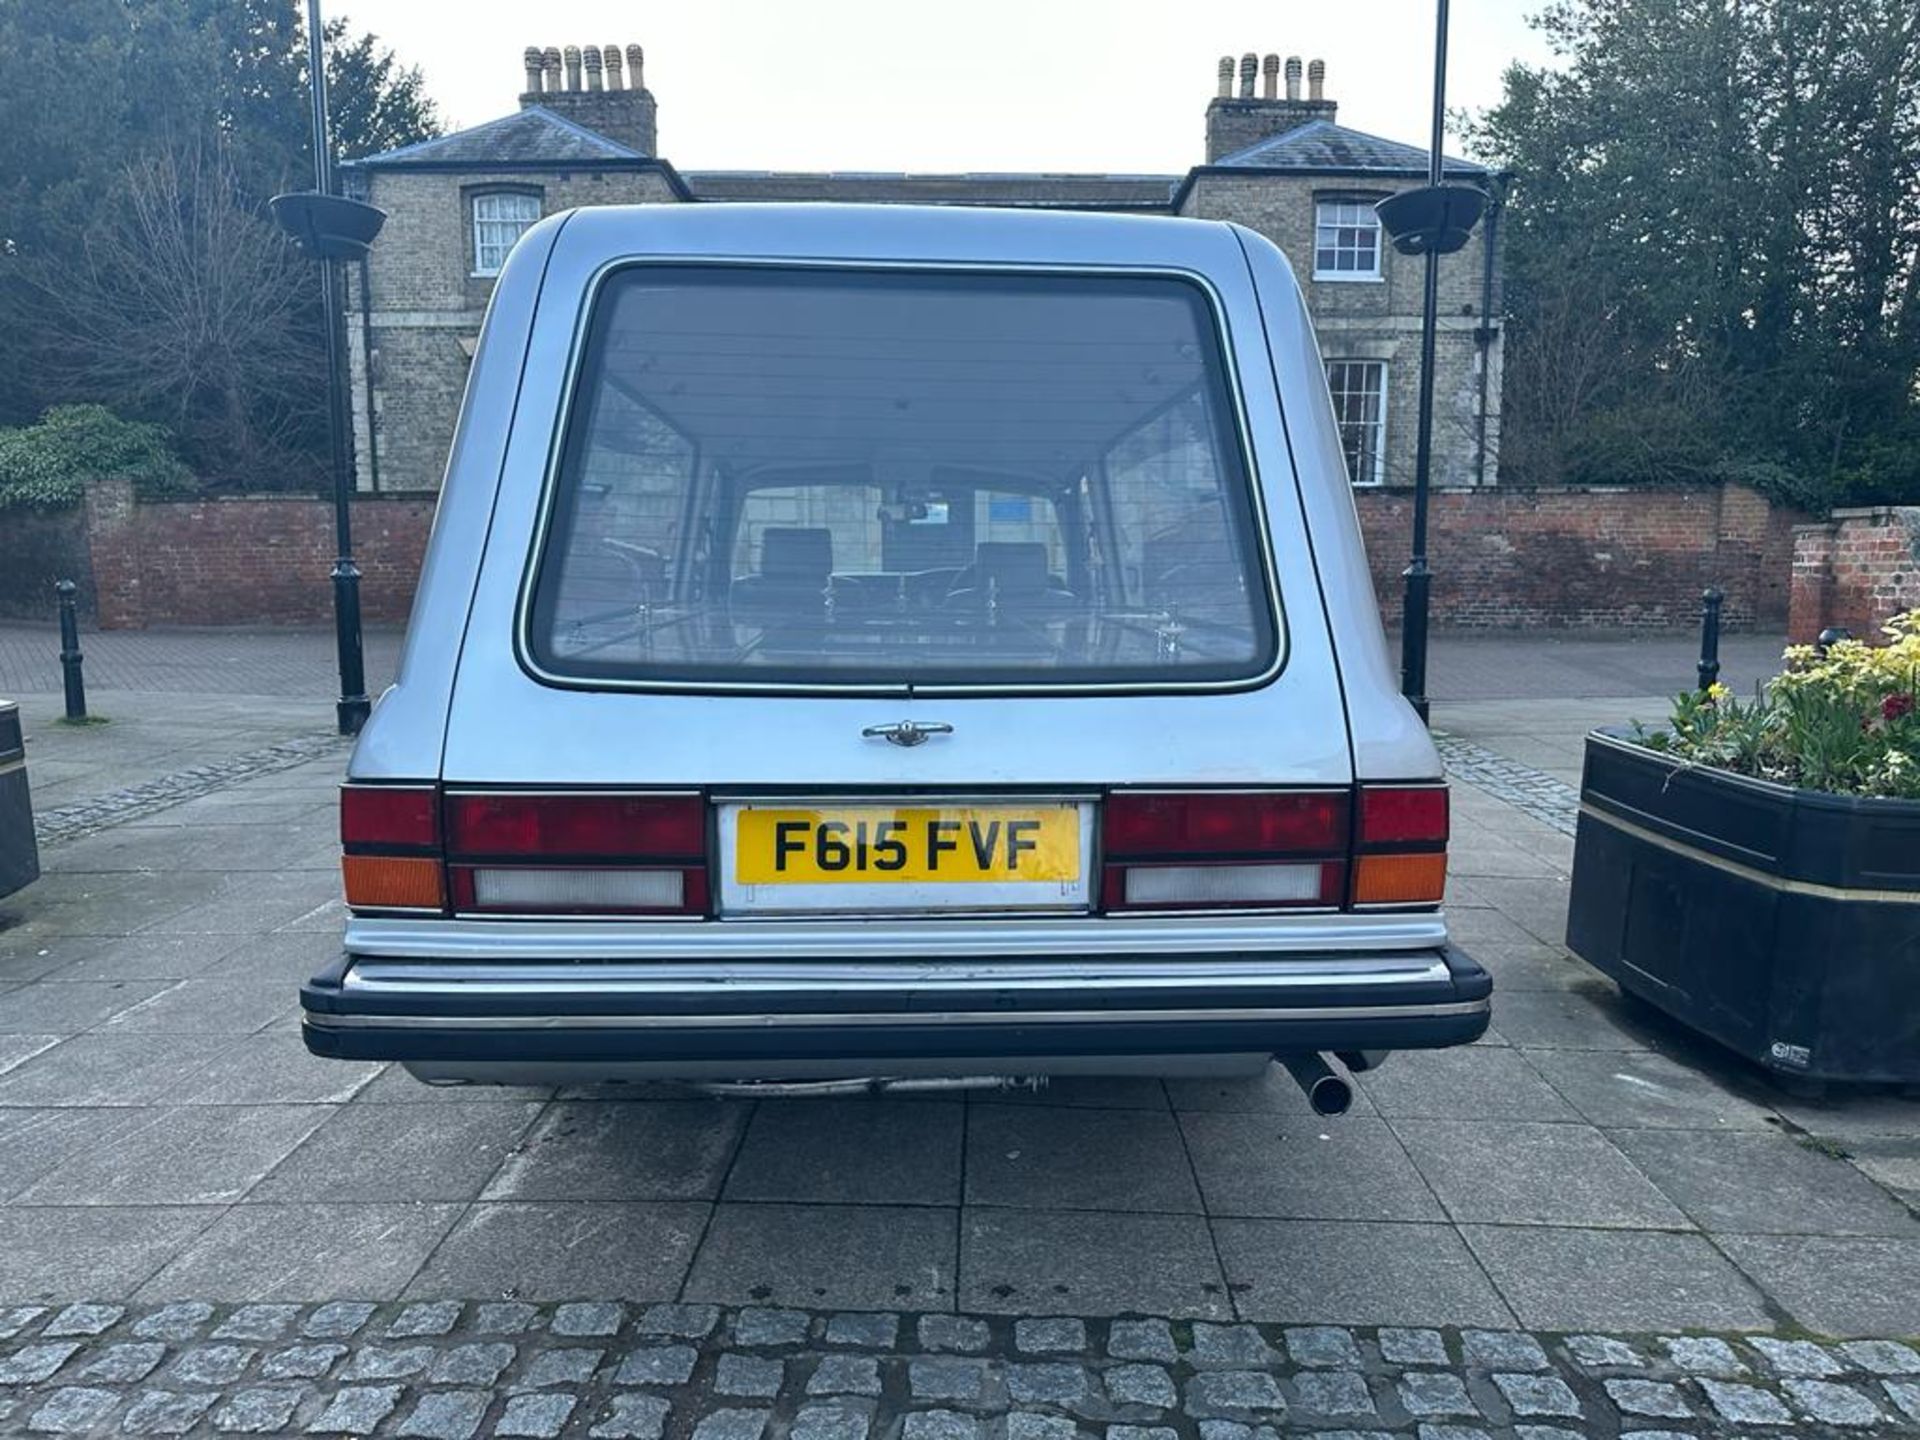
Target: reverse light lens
(392,882)
(508,826)
(1189,885)
(1400,879)
(1156,823)
(529,889)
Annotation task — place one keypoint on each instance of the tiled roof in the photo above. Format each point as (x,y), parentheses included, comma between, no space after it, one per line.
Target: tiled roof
(1097,192)
(533,136)
(1321,145)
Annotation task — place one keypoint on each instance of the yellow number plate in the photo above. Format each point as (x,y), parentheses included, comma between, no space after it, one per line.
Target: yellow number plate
(880,843)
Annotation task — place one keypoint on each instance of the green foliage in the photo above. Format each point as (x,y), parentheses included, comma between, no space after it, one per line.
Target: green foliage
(46,466)
(95,91)
(1713,246)
(1843,722)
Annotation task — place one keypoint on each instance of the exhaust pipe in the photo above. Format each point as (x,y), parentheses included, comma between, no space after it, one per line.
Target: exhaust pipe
(1328,1092)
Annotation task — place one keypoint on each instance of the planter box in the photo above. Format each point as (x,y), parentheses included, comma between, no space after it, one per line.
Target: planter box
(1784,923)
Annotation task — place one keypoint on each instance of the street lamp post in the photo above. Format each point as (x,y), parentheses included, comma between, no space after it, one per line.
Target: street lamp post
(1433,221)
(331,228)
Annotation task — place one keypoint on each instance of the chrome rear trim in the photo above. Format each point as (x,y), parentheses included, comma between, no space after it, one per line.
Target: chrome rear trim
(842,938)
(838,1020)
(613,979)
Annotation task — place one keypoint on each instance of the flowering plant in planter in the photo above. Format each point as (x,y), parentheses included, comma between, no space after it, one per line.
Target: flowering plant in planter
(1842,721)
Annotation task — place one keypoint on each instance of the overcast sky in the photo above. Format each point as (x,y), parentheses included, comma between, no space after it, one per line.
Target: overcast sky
(1113,85)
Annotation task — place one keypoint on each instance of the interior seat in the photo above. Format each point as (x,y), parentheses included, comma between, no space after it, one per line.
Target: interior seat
(796,563)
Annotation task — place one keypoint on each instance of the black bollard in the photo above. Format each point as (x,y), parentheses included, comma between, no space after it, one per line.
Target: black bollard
(1710,599)
(70,656)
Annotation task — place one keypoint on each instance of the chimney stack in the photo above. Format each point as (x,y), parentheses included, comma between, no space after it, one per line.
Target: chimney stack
(1237,119)
(591,87)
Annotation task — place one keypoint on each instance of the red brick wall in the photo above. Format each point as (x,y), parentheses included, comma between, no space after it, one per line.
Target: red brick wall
(1856,572)
(247,560)
(1506,556)
(1586,558)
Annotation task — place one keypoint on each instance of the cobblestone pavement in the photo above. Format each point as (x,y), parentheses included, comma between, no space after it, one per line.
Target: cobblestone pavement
(447,1371)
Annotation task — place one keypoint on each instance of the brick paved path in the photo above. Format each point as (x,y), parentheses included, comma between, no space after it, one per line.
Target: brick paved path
(447,1371)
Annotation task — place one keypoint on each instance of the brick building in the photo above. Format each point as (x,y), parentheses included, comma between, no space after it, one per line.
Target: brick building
(1276,161)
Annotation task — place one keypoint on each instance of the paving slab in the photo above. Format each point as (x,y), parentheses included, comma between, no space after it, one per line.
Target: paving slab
(190,1155)
(562,1250)
(1531,1173)
(1632,1280)
(1048,1157)
(1309,1168)
(866,1151)
(1711,1175)
(845,1256)
(1836,1285)
(1468,1082)
(1038,1262)
(1642,1089)
(615,1150)
(1356,1273)
(303,1252)
(393,1153)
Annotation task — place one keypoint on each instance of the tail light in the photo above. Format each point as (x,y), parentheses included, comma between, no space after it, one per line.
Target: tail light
(1224,849)
(1400,846)
(575,854)
(1370,847)
(390,838)
(413,849)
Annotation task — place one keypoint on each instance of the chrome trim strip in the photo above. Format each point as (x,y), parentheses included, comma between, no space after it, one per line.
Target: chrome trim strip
(1231,372)
(1747,872)
(869,1021)
(502,978)
(853,940)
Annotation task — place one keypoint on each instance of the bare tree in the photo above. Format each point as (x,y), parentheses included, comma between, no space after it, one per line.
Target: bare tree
(186,305)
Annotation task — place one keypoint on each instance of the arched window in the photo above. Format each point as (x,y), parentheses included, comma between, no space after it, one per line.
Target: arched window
(500,218)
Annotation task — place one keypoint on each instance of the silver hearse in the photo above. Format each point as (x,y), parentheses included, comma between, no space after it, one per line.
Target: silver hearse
(893,642)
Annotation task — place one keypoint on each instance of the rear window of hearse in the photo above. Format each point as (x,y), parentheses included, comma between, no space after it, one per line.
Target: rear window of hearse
(879,479)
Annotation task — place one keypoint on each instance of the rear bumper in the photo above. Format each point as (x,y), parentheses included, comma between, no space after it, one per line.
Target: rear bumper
(617,1013)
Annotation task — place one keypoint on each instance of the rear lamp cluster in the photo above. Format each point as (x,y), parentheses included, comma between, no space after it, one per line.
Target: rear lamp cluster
(1369,847)
(418,849)
(422,849)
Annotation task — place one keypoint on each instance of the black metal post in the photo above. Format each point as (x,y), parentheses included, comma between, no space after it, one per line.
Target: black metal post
(70,657)
(1413,613)
(1709,667)
(353,705)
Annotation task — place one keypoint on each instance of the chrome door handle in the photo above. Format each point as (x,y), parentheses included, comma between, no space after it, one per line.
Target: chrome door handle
(907,732)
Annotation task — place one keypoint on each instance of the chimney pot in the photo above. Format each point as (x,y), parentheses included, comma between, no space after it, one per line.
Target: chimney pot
(572,56)
(1249,67)
(636,58)
(612,55)
(1316,79)
(550,65)
(1293,77)
(532,61)
(590,57)
(1226,77)
(1270,78)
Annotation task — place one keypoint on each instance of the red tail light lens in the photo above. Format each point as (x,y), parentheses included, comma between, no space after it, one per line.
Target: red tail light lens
(390,816)
(1226,822)
(577,827)
(1410,815)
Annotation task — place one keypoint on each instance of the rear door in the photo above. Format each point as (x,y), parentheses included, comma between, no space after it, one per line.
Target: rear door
(765,545)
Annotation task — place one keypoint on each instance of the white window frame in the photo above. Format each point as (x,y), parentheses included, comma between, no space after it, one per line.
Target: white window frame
(1379,424)
(489,229)
(1332,216)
